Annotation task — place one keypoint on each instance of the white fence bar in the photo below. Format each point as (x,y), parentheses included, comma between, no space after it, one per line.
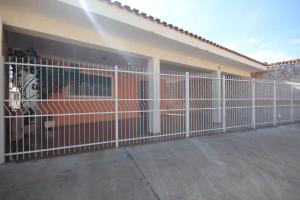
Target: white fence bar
(86,107)
(187,104)
(253,103)
(224,103)
(292,102)
(116,108)
(274,103)
(2,90)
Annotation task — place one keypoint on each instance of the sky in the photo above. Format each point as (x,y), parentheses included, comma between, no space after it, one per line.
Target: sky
(266,30)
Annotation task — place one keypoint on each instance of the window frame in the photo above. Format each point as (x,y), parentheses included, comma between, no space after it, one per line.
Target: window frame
(93,73)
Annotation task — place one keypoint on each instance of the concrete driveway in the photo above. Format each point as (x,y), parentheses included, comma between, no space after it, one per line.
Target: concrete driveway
(260,164)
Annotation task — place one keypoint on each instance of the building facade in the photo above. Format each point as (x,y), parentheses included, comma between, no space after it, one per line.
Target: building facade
(70,52)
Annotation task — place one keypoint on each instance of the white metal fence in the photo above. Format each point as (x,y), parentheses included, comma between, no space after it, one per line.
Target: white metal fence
(55,107)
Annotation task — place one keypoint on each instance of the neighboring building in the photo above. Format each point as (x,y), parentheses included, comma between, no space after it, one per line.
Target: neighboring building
(87,39)
(286,70)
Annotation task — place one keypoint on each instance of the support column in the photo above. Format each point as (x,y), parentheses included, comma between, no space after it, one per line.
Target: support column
(216,96)
(2,131)
(154,95)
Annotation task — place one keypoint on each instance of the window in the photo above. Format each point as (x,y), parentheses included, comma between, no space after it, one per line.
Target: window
(175,89)
(90,85)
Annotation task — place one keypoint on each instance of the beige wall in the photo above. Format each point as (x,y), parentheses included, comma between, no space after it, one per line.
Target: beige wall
(74,26)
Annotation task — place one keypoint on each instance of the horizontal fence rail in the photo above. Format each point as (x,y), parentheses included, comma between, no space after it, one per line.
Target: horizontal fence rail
(55,107)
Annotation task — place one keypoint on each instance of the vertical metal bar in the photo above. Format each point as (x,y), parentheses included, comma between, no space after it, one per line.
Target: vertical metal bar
(41,119)
(94,116)
(99,120)
(2,90)
(187,104)
(52,89)
(292,102)
(47,89)
(253,103)
(29,118)
(76,83)
(116,108)
(274,103)
(85,94)
(22,112)
(16,121)
(68,102)
(224,103)
(80,84)
(10,79)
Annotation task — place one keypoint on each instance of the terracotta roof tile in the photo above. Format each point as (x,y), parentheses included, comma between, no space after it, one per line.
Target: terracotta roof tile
(144,15)
(118,4)
(151,18)
(137,12)
(286,62)
(127,8)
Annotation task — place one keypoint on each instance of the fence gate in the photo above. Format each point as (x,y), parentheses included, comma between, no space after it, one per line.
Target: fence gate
(55,107)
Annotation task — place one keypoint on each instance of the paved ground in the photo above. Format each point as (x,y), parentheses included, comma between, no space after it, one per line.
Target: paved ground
(261,164)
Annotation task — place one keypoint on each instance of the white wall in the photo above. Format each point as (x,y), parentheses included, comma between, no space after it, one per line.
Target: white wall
(2,132)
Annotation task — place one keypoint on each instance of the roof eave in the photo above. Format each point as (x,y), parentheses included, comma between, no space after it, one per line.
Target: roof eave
(146,22)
